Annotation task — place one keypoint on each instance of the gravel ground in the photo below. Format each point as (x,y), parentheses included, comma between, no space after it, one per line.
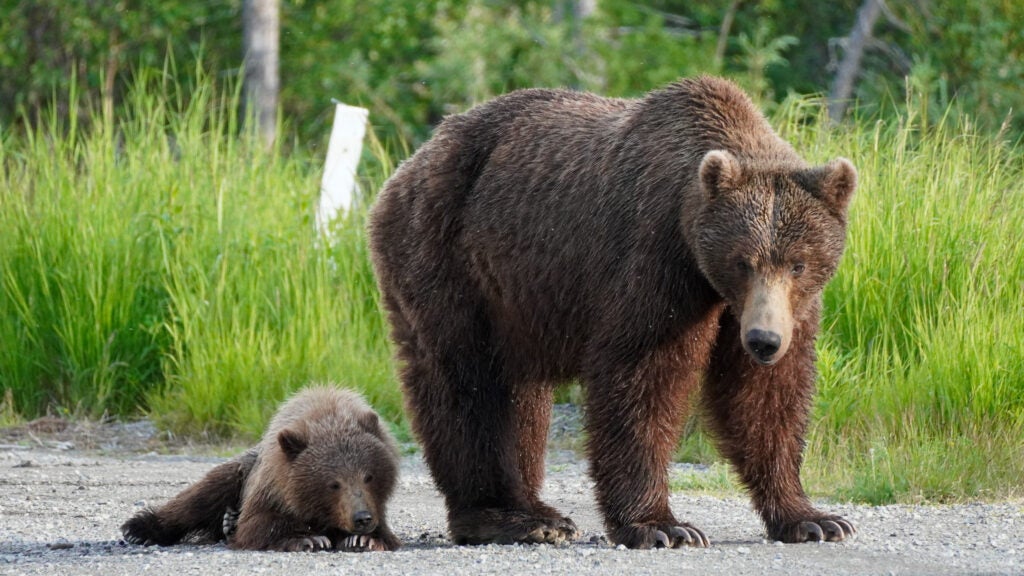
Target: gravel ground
(65,493)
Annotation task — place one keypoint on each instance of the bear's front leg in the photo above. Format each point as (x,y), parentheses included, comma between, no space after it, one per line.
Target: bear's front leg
(261,529)
(759,416)
(634,415)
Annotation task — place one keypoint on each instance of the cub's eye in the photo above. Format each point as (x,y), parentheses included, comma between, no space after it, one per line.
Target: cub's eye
(743,267)
(798,269)
(368,478)
(335,485)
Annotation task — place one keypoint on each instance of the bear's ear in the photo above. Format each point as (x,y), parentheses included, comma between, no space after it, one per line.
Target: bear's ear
(292,443)
(833,183)
(370,422)
(719,172)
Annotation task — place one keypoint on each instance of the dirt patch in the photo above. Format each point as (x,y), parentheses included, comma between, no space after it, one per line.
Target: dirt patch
(104,437)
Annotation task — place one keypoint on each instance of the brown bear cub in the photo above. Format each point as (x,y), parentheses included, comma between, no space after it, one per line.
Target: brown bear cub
(319,479)
(648,248)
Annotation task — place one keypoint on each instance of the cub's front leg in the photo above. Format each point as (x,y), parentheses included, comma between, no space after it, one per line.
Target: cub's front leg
(267,530)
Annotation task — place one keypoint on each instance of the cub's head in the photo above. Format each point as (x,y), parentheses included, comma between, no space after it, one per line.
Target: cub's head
(768,240)
(340,479)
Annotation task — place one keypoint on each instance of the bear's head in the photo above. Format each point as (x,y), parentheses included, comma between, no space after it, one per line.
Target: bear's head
(769,237)
(339,478)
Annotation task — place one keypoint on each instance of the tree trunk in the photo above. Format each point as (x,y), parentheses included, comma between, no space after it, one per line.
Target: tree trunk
(849,67)
(261,31)
(723,34)
(585,70)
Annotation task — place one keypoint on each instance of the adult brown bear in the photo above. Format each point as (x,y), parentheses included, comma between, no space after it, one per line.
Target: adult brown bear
(633,244)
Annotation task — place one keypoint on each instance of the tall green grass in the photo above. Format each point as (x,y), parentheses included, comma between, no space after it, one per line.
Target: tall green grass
(164,260)
(921,394)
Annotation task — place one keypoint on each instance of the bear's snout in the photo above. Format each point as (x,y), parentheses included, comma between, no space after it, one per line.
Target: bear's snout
(763,344)
(766,323)
(362,522)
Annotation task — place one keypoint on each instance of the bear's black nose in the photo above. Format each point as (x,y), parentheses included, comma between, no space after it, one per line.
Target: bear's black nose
(763,343)
(362,520)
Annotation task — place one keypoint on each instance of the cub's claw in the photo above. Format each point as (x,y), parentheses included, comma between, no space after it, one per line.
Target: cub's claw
(306,544)
(361,543)
(230,522)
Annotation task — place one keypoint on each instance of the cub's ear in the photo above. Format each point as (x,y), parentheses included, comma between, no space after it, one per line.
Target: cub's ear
(833,184)
(370,422)
(292,443)
(719,172)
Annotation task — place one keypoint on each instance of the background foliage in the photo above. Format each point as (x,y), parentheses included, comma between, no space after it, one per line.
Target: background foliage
(411,61)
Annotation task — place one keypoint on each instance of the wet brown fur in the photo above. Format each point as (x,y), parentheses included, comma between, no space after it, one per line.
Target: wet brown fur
(322,473)
(549,235)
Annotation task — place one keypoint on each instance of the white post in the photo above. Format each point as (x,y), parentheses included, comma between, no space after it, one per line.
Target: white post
(338,186)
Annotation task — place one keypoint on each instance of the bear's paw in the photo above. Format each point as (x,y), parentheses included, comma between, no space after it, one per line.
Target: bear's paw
(659,535)
(498,526)
(824,528)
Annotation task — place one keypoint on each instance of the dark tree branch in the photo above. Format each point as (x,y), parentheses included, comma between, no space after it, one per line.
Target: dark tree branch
(723,32)
(849,67)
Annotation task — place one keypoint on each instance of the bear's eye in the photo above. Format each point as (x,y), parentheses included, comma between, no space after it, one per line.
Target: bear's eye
(335,485)
(743,267)
(368,478)
(798,269)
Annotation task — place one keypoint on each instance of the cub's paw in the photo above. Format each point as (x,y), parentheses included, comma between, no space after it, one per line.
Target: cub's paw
(496,526)
(313,543)
(144,529)
(230,522)
(824,528)
(659,535)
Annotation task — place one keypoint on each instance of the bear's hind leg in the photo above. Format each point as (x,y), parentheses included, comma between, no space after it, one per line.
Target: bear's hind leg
(196,513)
(532,419)
(462,414)
(461,404)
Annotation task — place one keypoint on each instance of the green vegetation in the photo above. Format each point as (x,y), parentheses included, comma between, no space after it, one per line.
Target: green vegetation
(154,260)
(411,61)
(922,354)
(717,479)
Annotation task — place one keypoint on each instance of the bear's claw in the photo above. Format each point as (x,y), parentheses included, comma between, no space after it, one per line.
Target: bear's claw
(826,528)
(563,530)
(659,536)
